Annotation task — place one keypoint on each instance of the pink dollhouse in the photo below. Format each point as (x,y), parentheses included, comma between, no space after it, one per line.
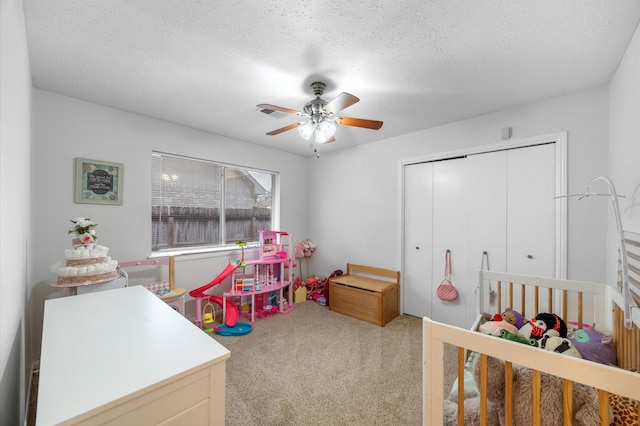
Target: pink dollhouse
(261,282)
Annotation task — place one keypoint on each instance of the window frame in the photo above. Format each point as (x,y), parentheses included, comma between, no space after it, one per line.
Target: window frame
(224,247)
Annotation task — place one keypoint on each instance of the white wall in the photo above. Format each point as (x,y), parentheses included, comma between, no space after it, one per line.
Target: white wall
(355,204)
(624,144)
(15,217)
(66,128)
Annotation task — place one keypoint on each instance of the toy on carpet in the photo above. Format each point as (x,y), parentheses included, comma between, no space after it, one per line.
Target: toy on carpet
(267,311)
(208,317)
(315,286)
(240,329)
(320,299)
(544,324)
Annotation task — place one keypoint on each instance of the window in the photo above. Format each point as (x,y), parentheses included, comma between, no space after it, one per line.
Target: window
(203,204)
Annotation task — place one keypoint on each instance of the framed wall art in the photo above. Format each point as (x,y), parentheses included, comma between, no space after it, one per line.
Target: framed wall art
(98,182)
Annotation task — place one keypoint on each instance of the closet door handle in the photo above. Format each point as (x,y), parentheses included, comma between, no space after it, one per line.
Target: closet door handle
(529,256)
(417,248)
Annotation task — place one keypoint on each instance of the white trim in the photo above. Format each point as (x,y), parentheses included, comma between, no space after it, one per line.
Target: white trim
(400,233)
(560,141)
(560,137)
(561,206)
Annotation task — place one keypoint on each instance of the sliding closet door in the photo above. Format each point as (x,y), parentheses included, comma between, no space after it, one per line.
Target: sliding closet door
(497,202)
(487,218)
(418,253)
(435,193)
(531,231)
(449,233)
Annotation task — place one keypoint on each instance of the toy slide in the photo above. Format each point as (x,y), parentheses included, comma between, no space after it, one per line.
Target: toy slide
(232,313)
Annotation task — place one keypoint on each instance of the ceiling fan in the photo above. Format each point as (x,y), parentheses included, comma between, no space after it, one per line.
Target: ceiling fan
(321,126)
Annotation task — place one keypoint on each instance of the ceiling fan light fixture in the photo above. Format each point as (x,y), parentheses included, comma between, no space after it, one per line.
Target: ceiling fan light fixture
(322,117)
(306,130)
(325,131)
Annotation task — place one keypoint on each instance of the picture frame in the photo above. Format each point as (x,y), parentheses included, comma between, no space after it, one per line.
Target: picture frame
(98,182)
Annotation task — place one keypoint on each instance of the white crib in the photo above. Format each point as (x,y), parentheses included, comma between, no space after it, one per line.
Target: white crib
(532,295)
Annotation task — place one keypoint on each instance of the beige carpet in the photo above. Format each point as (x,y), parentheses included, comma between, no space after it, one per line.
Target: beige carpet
(317,367)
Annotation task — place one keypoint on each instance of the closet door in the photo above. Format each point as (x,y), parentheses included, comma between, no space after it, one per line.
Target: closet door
(418,237)
(449,233)
(435,215)
(487,218)
(499,202)
(531,230)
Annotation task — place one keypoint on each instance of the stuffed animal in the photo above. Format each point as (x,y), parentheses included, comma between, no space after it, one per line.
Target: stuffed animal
(560,345)
(304,248)
(594,345)
(513,317)
(495,412)
(584,398)
(515,337)
(494,327)
(544,325)
(624,410)
(509,320)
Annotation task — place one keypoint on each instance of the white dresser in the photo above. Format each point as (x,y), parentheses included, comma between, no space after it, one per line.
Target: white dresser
(125,357)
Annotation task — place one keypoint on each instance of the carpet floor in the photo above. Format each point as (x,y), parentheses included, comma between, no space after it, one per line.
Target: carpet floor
(317,367)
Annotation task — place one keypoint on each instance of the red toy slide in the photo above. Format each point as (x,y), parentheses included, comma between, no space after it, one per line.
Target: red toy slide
(232,313)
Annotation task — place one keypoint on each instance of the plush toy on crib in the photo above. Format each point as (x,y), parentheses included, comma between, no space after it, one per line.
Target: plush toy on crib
(561,345)
(509,320)
(544,324)
(584,398)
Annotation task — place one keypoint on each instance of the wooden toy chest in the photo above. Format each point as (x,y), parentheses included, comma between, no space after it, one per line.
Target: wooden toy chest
(367,293)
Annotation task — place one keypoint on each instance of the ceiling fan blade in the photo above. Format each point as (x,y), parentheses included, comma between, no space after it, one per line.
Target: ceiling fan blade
(269,109)
(359,122)
(342,101)
(284,129)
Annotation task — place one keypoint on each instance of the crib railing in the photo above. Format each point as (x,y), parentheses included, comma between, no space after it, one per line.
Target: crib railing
(627,341)
(532,295)
(607,379)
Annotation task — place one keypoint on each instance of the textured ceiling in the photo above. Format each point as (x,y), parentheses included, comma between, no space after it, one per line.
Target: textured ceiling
(414,64)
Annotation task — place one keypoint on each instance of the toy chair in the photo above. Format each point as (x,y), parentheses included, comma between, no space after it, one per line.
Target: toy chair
(165,290)
(208,317)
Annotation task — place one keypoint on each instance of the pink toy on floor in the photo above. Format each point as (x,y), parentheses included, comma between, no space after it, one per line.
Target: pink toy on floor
(199,294)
